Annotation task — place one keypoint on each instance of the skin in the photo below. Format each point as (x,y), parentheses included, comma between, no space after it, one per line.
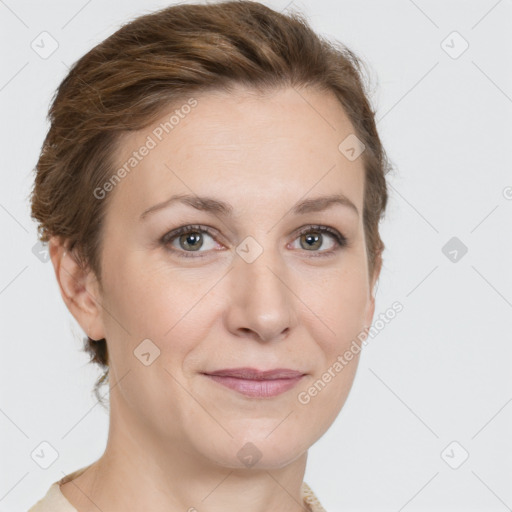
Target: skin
(174,433)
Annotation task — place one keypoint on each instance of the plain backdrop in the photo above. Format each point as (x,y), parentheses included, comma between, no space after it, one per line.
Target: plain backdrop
(427,424)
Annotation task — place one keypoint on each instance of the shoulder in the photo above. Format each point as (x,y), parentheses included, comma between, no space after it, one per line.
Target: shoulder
(310,499)
(54,500)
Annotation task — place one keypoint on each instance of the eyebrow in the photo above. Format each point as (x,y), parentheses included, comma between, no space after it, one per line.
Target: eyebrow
(215,206)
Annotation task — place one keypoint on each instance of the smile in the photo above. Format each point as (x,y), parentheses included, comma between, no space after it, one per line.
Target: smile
(259,387)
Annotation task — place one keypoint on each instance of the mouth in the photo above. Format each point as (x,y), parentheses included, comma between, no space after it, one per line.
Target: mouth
(255,383)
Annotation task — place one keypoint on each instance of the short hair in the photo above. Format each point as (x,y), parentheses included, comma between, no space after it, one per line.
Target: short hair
(159,59)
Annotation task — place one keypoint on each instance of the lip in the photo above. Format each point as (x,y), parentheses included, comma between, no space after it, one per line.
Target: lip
(256,383)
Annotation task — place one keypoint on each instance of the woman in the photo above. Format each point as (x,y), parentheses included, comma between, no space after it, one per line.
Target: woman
(211,187)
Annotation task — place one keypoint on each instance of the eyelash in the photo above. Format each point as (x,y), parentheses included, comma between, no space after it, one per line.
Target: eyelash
(341,240)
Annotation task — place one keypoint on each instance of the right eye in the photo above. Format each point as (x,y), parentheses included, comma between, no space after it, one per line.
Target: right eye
(189,239)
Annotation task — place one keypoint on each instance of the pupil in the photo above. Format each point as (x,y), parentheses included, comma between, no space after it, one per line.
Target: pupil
(313,238)
(190,238)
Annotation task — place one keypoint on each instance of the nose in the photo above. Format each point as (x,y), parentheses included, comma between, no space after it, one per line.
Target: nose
(261,302)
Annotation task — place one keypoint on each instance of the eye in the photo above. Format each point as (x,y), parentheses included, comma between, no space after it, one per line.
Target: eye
(313,237)
(189,240)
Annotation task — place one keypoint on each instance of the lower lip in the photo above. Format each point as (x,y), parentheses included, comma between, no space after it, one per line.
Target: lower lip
(257,388)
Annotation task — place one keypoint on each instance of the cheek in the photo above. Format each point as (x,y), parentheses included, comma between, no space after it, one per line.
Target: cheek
(336,322)
(338,304)
(149,301)
(138,303)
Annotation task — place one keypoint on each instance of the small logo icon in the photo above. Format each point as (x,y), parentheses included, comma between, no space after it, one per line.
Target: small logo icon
(454,249)
(44,45)
(40,251)
(454,45)
(249,250)
(507,193)
(249,455)
(455,455)
(44,454)
(146,352)
(351,147)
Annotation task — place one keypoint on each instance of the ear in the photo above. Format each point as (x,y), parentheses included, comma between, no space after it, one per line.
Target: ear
(79,289)
(371,304)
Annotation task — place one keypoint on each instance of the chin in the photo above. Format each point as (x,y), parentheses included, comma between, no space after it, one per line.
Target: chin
(258,452)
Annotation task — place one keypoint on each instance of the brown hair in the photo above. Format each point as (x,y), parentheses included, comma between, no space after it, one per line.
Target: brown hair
(126,81)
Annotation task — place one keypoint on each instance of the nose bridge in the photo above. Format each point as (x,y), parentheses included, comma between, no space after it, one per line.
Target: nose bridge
(261,297)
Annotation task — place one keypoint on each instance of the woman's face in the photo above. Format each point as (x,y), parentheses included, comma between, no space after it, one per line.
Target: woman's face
(252,291)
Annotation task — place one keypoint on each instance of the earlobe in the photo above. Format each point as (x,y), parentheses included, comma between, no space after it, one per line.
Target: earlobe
(369,314)
(78,288)
(373,290)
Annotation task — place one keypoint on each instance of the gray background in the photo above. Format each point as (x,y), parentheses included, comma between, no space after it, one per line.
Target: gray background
(438,373)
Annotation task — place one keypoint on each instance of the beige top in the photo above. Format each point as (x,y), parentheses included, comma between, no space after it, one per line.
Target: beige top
(55,501)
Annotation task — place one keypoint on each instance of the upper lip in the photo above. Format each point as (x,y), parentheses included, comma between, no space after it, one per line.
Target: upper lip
(254,374)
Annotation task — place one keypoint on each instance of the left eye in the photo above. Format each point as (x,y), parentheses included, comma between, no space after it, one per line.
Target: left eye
(313,237)
(191,238)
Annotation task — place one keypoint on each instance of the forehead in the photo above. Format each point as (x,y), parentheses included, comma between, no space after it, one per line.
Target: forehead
(242,145)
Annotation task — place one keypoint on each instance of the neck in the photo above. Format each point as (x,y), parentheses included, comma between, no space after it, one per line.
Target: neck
(140,471)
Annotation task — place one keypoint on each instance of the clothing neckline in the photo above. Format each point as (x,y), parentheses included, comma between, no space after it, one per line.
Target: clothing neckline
(310,500)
